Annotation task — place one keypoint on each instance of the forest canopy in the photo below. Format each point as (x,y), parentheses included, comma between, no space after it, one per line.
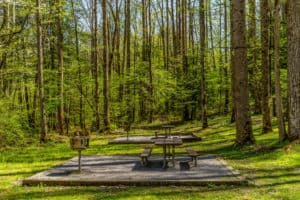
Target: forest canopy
(100,65)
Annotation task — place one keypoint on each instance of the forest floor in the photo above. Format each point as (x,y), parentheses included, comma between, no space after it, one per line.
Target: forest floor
(272,173)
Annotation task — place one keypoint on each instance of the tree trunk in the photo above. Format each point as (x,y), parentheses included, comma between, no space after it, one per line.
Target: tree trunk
(94,61)
(105,69)
(226,103)
(151,101)
(60,67)
(293,34)
(202,64)
(244,133)
(254,83)
(279,107)
(81,120)
(43,136)
(265,81)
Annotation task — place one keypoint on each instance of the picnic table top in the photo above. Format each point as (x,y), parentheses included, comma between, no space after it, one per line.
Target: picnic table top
(168,141)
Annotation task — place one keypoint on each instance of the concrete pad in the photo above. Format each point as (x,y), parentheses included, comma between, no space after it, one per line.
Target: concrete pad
(127,170)
(150,139)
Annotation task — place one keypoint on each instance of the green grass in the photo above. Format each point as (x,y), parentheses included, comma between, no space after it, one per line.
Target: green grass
(273,173)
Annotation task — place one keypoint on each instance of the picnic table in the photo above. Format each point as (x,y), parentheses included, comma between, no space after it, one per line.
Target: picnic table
(167,129)
(168,144)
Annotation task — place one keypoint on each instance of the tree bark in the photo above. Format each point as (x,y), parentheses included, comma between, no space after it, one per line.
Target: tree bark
(244,133)
(106,103)
(43,135)
(94,62)
(254,83)
(81,119)
(293,35)
(265,81)
(202,64)
(60,67)
(226,103)
(279,106)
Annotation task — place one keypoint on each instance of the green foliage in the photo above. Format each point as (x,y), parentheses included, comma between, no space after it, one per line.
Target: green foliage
(272,173)
(14,130)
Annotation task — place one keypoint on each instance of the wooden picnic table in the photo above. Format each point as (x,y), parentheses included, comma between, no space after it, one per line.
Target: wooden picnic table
(167,129)
(168,145)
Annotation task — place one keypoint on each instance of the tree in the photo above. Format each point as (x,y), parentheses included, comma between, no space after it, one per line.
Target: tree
(202,63)
(254,82)
(279,106)
(265,81)
(60,67)
(293,54)
(105,68)
(43,136)
(80,87)
(94,62)
(239,67)
(226,101)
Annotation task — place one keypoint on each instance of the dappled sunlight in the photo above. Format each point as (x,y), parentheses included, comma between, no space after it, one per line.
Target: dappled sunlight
(265,164)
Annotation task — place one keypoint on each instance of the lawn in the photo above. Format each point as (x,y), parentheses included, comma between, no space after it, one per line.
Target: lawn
(272,173)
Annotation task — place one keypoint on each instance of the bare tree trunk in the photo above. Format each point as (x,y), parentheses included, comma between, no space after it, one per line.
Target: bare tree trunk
(43,137)
(226,103)
(81,120)
(254,83)
(202,64)
(151,102)
(167,35)
(265,82)
(209,19)
(279,107)
(94,61)
(244,133)
(105,69)
(174,31)
(186,113)
(60,67)
(293,34)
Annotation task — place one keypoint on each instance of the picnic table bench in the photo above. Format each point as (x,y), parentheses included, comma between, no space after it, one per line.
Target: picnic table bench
(194,155)
(145,155)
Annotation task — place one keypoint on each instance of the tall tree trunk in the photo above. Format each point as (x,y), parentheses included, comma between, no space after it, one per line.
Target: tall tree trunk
(94,61)
(167,35)
(279,107)
(265,81)
(244,133)
(81,120)
(191,29)
(186,113)
(174,31)
(209,25)
(105,68)
(254,82)
(226,103)
(151,101)
(202,64)
(293,34)
(60,67)
(43,135)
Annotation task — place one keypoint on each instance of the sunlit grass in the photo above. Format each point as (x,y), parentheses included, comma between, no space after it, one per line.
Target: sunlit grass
(273,173)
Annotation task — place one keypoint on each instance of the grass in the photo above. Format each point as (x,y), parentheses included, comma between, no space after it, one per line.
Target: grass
(274,174)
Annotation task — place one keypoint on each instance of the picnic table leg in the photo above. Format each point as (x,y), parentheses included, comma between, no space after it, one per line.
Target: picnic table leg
(79,161)
(164,156)
(173,156)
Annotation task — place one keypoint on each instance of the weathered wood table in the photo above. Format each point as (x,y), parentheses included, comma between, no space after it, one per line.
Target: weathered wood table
(167,129)
(168,144)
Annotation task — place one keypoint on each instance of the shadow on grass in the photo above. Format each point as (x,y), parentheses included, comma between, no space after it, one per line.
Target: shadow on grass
(118,192)
(236,153)
(21,173)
